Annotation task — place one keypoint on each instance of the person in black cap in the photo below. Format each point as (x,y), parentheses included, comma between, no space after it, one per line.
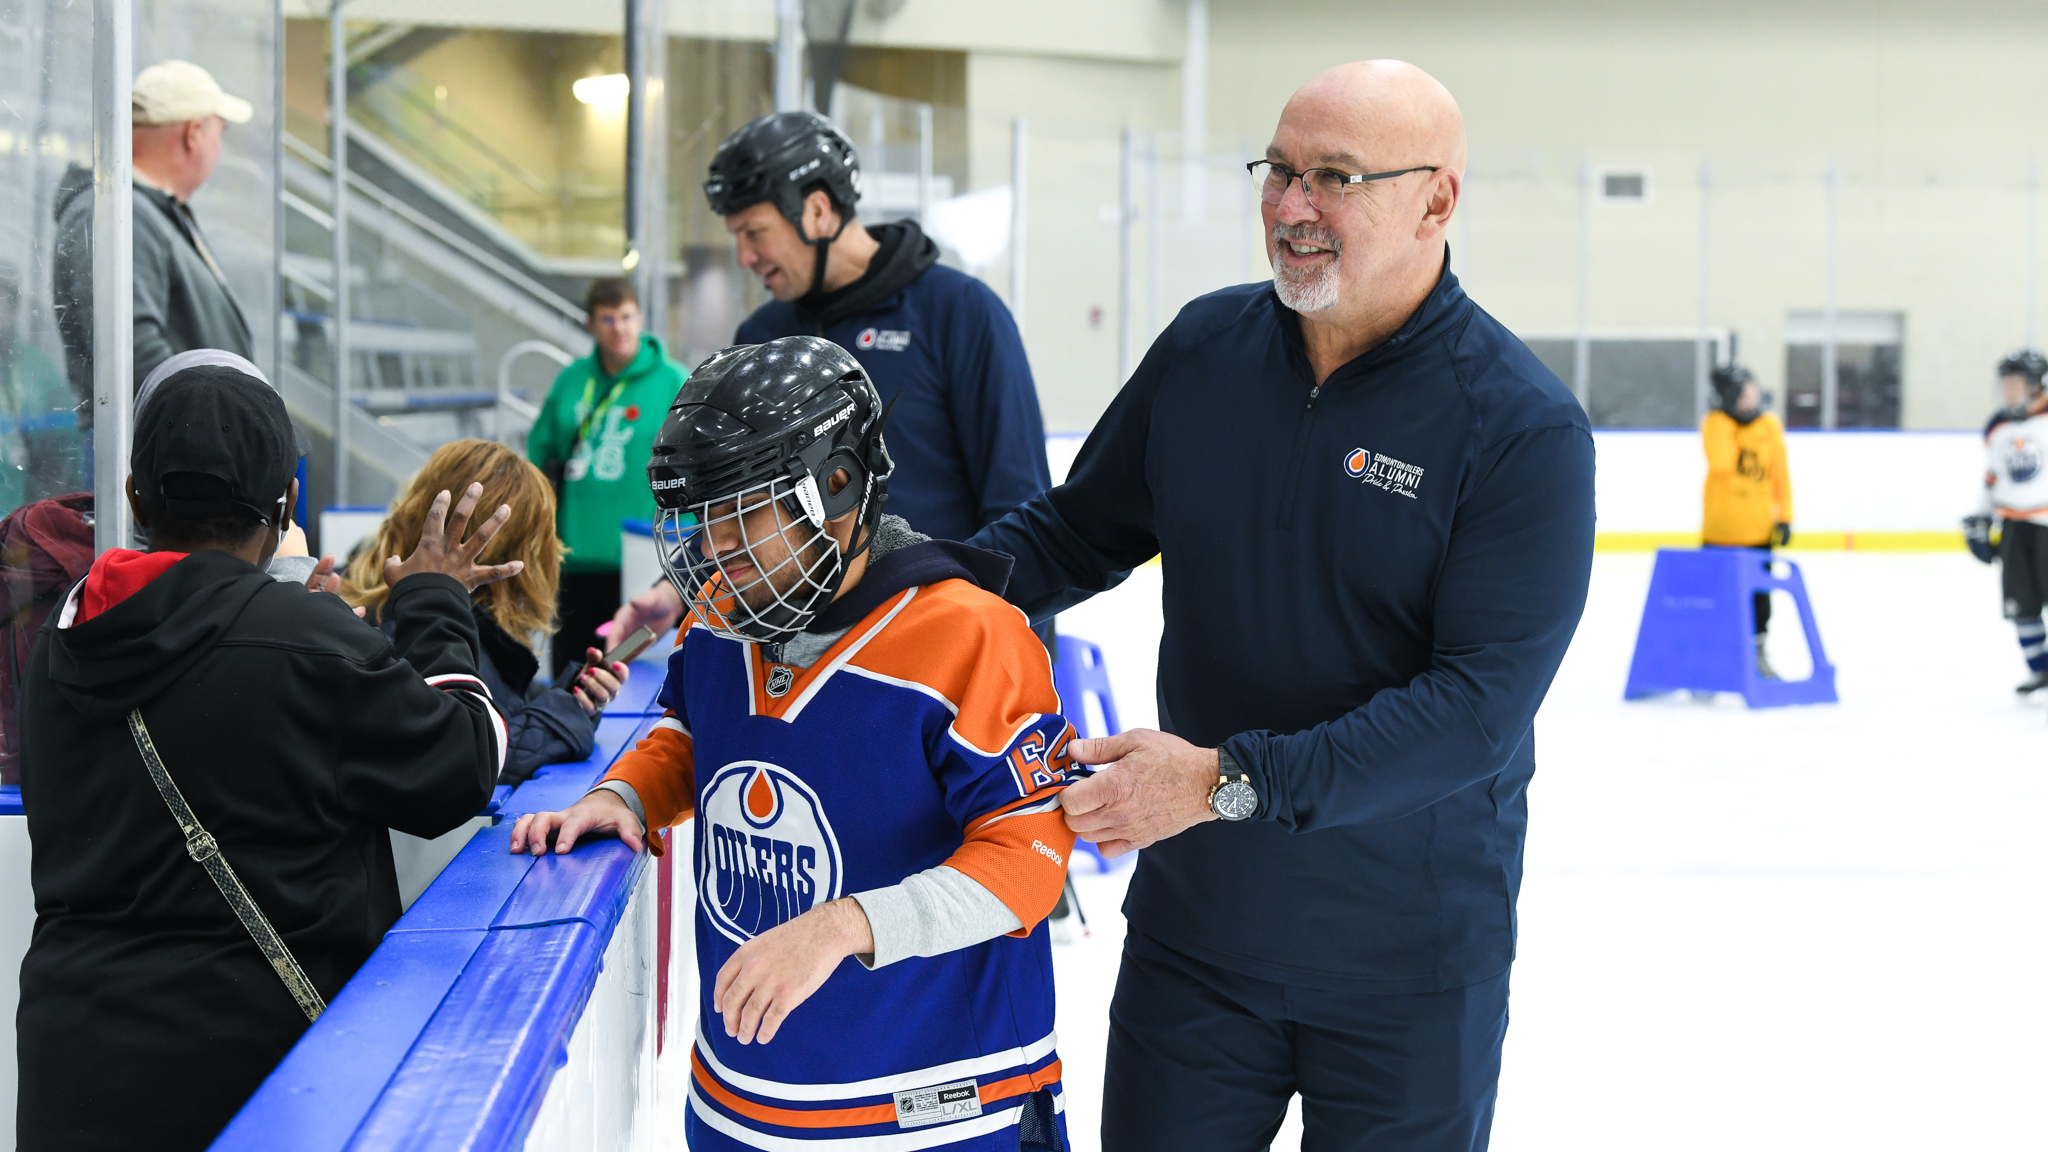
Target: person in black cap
(153,1000)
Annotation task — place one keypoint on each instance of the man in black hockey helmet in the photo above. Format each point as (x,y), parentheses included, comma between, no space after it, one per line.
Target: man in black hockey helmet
(938,344)
(869,739)
(2016,503)
(773,466)
(782,160)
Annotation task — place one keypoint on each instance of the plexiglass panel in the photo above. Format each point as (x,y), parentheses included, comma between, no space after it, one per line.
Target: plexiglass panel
(237,41)
(45,166)
(45,163)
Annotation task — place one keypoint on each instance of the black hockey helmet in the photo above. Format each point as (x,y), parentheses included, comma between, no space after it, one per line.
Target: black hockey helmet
(2025,362)
(761,423)
(780,158)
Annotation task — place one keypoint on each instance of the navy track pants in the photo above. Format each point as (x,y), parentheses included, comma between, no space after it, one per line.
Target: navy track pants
(1202,1057)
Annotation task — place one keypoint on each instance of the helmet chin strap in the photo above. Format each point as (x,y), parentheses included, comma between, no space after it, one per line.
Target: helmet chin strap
(824,246)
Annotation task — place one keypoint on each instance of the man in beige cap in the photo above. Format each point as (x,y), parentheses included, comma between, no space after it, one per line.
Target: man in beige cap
(182,299)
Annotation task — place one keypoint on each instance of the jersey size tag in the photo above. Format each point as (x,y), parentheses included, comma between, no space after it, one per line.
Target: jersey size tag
(938,1104)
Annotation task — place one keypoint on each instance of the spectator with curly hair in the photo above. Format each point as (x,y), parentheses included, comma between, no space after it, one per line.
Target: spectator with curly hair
(546,724)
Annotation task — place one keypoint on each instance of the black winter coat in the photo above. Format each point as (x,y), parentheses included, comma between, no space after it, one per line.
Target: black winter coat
(298,734)
(544,725)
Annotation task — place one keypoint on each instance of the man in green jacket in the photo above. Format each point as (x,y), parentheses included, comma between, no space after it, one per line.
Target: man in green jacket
(593,437)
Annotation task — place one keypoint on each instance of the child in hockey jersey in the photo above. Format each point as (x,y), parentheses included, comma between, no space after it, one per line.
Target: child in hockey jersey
(2016,495)
(870,741)
(1748,497)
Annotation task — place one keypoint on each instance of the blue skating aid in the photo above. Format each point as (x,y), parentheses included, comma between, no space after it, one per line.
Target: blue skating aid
(1698,632)
(1080,674)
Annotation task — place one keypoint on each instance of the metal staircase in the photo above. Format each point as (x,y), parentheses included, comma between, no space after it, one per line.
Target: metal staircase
(438,291)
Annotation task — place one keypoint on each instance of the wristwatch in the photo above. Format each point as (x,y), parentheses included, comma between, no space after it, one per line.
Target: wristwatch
(1232,796)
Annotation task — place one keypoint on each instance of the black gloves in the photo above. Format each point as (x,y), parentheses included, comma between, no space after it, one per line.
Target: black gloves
(1977,534)
(1781,535)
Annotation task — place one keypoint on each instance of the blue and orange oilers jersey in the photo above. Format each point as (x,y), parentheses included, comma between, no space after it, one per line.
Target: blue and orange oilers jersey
(929,734)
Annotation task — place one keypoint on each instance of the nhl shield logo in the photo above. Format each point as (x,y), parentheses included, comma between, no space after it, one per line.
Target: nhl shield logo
(767,853)
(780,677)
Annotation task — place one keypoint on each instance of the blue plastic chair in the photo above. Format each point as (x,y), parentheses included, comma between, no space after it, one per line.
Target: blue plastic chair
(1079,675)
(1698,630)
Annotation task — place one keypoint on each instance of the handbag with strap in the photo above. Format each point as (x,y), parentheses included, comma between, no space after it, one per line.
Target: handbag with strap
(201,847)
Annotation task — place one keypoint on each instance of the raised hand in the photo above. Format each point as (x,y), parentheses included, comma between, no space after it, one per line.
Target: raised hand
(443,550)
(657,608)
(323,578)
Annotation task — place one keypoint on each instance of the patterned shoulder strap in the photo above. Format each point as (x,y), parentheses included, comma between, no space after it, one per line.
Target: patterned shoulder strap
(201,847)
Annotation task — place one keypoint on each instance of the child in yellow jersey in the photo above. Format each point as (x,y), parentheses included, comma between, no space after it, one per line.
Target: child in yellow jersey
(1748,499)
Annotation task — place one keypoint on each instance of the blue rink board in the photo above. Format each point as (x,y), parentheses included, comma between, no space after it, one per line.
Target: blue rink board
(448,1035)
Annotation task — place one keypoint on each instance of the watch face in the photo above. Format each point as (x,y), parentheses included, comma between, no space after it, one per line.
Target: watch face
(1235,800)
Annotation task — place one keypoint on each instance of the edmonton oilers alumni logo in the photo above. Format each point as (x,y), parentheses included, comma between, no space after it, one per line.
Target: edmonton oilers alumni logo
(1357,462)
(769,854)
(2022,460)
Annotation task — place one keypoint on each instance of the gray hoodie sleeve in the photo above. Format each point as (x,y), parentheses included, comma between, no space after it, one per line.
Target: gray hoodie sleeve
(931,913)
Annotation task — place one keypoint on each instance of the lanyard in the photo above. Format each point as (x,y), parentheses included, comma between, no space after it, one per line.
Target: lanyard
(590,390)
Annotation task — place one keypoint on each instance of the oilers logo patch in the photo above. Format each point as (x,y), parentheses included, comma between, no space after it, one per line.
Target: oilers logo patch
(768,853)
(1357,462)
(2022,460)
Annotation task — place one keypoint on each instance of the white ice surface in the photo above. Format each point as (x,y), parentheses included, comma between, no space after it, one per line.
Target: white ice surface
(1808,928)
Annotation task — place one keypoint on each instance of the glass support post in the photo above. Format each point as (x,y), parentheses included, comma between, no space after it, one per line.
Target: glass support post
(337,126)
(1020,176)
(1830,355)
(113,266)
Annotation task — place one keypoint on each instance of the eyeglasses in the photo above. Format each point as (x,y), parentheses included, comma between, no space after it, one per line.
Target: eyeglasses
(1324,186)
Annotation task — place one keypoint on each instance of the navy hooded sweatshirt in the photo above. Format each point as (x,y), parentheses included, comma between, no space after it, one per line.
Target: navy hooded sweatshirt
(965,430)
(1368,587)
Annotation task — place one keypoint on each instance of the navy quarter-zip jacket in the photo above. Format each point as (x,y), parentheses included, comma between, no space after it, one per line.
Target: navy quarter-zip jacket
(1368,588)
(965,428)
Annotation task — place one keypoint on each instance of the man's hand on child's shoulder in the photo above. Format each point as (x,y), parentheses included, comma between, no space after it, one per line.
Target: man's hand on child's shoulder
(601,812)
(765,980)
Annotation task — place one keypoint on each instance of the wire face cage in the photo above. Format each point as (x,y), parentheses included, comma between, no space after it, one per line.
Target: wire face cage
(755,566)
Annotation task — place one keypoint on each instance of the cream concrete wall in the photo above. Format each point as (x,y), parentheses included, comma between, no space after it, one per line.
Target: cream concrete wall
(1144,30)
(1076,110)
(1930,110)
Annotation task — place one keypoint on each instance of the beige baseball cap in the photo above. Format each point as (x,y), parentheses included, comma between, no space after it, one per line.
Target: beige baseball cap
(176,91)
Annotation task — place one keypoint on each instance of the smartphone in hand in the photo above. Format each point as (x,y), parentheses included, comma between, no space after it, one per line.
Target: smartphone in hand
(627,651)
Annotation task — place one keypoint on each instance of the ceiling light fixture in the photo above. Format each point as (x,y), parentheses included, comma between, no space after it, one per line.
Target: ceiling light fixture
(612,89)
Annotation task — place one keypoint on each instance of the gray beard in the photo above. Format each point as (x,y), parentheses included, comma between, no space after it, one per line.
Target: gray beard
(1303,289)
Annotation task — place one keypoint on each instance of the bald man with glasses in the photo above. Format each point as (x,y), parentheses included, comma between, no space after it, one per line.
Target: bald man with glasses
(1375,508)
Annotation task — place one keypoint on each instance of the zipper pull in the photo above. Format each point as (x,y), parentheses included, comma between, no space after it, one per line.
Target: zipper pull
(1313,393)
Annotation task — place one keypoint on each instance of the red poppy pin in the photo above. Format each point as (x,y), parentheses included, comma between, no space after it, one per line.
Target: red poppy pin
(632,413)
